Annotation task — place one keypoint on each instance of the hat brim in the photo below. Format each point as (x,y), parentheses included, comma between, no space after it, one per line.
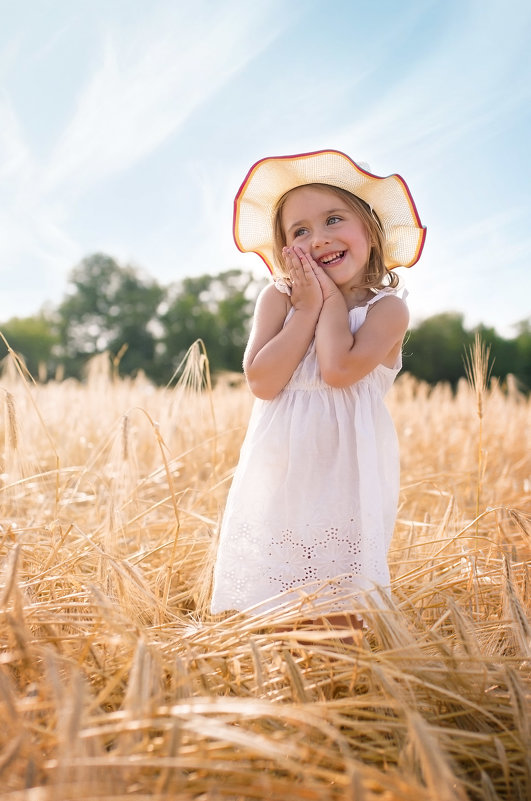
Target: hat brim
(271,177)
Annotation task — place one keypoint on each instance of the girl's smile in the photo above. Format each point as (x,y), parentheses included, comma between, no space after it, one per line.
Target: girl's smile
(332,259)
(316,220)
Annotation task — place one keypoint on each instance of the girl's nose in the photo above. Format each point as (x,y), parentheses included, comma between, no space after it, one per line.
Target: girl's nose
(320,238)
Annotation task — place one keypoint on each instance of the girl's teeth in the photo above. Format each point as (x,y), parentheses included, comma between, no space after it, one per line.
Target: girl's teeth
(332,258)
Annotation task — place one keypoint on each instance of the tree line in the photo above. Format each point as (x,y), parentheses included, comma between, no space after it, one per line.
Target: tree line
(145,326)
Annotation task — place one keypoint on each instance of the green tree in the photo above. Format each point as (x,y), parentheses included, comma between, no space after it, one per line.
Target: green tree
(434,350)
(33,338)
(109,307)
(216,309)
(523,351)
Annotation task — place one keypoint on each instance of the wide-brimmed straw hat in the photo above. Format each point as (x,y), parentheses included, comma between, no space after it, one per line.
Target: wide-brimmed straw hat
(270,178)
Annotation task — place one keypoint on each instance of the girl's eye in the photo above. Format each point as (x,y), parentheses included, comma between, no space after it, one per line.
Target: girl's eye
(333,219)
(299,232)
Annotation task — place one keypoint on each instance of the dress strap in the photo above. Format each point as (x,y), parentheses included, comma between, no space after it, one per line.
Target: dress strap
(282,285)
(399,292)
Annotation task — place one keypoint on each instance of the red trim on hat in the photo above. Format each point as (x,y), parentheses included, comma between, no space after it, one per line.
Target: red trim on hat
(420,247)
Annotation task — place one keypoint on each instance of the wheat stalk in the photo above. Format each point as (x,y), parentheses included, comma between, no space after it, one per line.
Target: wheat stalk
(478,371)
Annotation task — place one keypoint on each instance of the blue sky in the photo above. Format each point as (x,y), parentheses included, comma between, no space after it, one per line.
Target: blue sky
(127,126)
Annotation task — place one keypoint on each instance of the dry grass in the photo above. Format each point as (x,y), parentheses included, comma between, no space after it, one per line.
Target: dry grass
(114,681)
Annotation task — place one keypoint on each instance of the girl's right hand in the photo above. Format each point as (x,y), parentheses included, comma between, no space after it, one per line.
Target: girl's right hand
(306,291)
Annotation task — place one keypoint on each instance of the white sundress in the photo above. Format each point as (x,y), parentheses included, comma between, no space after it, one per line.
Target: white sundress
(314,496)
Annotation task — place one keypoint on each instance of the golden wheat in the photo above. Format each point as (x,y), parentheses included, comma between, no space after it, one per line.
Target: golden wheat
(115,682)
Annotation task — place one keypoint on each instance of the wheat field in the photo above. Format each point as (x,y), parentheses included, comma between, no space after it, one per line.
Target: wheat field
(116,683)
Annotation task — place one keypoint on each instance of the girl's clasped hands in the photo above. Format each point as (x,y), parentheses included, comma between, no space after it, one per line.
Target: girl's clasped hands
(310,285)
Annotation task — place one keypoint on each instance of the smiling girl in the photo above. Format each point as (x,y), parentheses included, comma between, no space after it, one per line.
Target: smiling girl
(314,496)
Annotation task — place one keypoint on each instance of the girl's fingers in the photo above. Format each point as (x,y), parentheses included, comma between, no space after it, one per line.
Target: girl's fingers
(293,263)
(291,256)
(303,258)
(303,255)
(298,262)
(306,289)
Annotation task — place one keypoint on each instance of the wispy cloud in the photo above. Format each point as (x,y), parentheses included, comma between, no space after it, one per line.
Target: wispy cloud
(481,265)
(145,88)
(464,83)
(145,82)
(30,224)
(16,169)
(15,159)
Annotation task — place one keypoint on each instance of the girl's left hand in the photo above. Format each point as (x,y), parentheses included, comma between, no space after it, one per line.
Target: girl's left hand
(305,287)
(328,288)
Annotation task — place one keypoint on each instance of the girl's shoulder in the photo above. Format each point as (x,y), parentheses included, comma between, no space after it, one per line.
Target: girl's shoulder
(388,300)
(399,292)
(387,311)
(271,310)
(275,297)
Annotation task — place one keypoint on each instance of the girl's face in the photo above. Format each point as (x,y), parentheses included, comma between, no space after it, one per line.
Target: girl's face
(324,226)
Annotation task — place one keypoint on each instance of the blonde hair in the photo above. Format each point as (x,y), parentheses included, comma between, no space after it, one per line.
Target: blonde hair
(377,276)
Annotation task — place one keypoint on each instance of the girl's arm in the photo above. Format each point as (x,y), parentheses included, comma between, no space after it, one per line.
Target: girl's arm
(345,358)
(275,350)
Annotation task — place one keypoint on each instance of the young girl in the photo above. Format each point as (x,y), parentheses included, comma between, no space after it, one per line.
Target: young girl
(315,493)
